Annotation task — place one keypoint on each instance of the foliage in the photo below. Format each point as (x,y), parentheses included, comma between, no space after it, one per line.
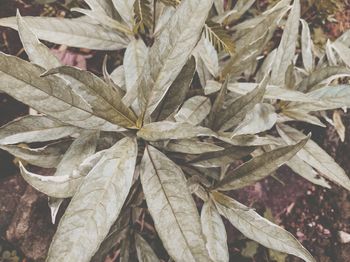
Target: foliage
(144,134)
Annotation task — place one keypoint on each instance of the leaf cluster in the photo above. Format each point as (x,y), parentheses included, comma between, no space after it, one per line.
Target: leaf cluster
(147,137)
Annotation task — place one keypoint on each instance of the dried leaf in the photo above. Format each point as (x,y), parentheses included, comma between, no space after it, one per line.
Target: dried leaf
(338,125)
(219,37)
(143,15)
(306,47)
(144,251)
(194,110)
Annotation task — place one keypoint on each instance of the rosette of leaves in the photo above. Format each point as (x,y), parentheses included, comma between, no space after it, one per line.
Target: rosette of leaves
(146,139)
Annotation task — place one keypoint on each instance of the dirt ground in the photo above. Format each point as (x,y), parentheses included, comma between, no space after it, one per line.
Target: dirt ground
(314,215)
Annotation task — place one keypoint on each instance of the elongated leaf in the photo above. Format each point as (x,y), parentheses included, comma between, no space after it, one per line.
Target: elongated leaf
(144,251)
(218,104)
(316,157)
(65,185)
(104,20)
(47,157)
(236,111)
(167,130)
(96,205)
(134,60)
(167,56)
(105,101)
(101,6)
(37,52)
(259,229)
(301,115)
(177,92)
(215,233)
(82,147)
(222,157)
(172,207)
(191,146)
(272,92)
(194,110)
(324,74)
(72,32)
(30,129)
(50,95)
(262,117)
(286,49)
(306,47)
(206,51)
(259,167)
(125,10)
(343,52)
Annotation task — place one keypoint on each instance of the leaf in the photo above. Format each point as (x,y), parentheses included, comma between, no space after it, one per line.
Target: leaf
(324,74)
(134,60)
(194,110)
(262,117)
(338,125)
(222,157)
(229,16)
(48,156)
(172,207)
(118,77)
(272,92)
(126,10)
(104,99)
(64,185)
(303,116)
(316,157)
(343,52)
(287,47)
(191,146)
(144,251)
(167,130)
(81,148)
(37,52)
(304,170)
(104,20)
(143,15)
(50,95)
(259,167)
(167,57)
(173,3)
(71,32)
(101,6)
(215,233)
(218,104)
(219,37)
(306,47)
(259,229)
(177,92)
(237,110)
(96,205)
(30,129)
(206,51)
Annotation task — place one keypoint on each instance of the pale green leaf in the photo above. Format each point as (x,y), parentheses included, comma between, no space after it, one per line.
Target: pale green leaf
(167,130)
(306,47)
(48,156)
(50,95)
(215,233)
(259,167)
(101,6)
(259,229)
(316,157)
(30,129)
(144,252)
(37,52)
(206,51)
(170,52)
(300,115)
(343,52)
(104,99)
(172,207)
(72,32)
(125,10)
(286,49)
(191,146)
(96,205)
(194,110)
(134,60)
(262,117)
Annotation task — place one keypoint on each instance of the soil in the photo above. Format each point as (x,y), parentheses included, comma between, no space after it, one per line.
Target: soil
(312,214)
